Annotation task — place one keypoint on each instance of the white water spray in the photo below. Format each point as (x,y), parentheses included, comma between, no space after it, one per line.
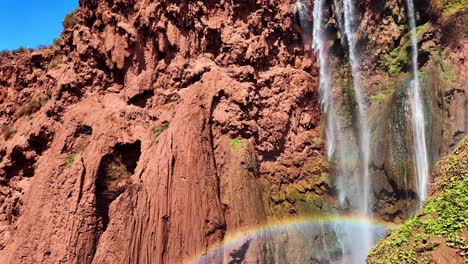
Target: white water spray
(417,113)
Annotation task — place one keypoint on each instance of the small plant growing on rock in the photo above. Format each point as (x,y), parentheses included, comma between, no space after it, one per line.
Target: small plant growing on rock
(27,109)
(71,19)
(31,107)
(7,132)
(20,49)
(70,160)
(113,176)
(56,42)
(158,130)
(55,62)
(236,144)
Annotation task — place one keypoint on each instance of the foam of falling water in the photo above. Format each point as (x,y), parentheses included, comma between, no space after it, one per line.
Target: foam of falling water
(339,17)
(300,9)
(365,237)
(417,113)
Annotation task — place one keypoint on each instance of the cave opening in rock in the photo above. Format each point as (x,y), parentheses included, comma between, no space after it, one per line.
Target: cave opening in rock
(21,165)
(141,100)
(40,141)
(83,130)
(113,176)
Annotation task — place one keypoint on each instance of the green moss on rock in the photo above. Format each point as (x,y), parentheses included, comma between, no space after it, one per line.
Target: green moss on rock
(398,59)
(296,199)
(452,6)
(236,144)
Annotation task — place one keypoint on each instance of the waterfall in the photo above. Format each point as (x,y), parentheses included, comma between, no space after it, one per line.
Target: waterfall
(364,199)
(349,150)
(417,113)
(325,87)
(300,9)
(353,185)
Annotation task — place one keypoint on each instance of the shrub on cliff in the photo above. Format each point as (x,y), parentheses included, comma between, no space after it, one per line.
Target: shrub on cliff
(56,42)
(7,132)
(71,19)
(31,107)
(20,50)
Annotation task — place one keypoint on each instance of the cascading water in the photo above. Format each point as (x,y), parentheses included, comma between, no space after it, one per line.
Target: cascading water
(349,152)
(362,207)
(364,132)
(325,87)
(417,112)
(338,150)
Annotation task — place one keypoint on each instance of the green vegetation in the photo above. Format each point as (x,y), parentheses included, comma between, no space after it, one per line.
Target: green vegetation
(317,171)
(56,42)
(71,19)
(31,107)
(347,113)
(452,6)
(114,172)
(398,58)
(236,144)
(444,216)
(299,198)
(314,140)
(445,66)
(158,130)
(7,132)
(55,62)
(306,196)
(381,96)
(387,88)
(348,104)
(20,49)
(113,176)
(70,159)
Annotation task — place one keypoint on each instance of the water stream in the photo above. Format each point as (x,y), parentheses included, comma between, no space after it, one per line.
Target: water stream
(417,113)
(363,198)
(325,80)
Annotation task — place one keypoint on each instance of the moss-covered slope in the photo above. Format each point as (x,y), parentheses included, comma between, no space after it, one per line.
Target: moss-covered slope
(438,233)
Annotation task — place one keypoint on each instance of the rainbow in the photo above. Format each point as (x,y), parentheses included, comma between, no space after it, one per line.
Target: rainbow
(234,239)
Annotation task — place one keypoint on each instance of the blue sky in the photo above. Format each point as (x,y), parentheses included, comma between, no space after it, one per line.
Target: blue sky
(31,23)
